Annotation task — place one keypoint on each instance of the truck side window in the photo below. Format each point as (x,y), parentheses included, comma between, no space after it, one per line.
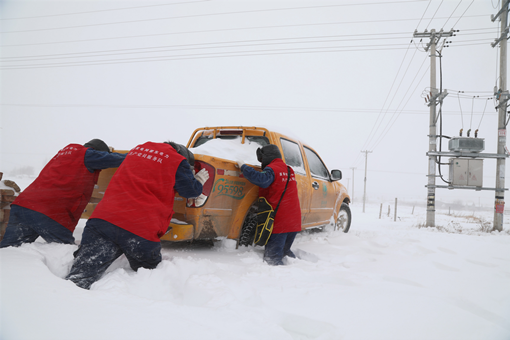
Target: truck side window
(317,168)
(292,156)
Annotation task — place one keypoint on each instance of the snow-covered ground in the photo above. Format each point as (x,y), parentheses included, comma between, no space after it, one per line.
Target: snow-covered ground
(382,280)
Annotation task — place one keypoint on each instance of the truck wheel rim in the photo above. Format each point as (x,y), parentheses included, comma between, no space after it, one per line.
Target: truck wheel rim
(341,221)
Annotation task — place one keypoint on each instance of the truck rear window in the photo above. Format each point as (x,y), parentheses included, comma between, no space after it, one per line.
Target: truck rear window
(261,140)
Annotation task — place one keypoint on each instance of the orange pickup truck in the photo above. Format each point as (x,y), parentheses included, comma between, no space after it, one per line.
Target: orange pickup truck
(227,207)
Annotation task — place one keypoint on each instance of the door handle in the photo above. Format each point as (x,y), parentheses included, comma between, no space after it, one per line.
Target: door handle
(315,185)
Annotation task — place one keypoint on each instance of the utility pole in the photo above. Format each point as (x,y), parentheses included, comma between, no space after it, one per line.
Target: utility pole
(502,93)
(434,94)
(365,189)
(352,194)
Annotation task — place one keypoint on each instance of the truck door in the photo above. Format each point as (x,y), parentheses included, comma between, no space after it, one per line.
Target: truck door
(293,157)
(323,196)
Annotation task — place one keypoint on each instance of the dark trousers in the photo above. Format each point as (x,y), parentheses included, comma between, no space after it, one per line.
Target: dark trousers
(102,243)
(277,247)
(26,225)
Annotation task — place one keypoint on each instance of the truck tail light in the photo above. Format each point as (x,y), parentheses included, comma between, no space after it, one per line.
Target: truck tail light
(207,187)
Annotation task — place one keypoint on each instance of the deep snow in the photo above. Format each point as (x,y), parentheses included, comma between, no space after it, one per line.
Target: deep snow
(382,280)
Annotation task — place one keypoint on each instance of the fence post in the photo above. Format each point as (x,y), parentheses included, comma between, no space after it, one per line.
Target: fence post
(380,212)
(395,218)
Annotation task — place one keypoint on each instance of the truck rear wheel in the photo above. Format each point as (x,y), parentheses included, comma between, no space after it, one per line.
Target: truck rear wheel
(343,220)
(249,226)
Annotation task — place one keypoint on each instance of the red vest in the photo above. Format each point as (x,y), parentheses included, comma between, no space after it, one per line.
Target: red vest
(63,188)
(140,196)
(288,216)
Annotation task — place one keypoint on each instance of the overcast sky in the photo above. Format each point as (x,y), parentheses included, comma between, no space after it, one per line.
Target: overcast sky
(345,76)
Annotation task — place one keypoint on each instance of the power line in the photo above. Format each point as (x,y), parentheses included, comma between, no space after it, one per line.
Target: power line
(391,101)
(211,14)
(461,116)
(206,107)
(451,90)
(212,55)
(395,116)
(452,14)
(126,22)
(470,44)
(463,14)
(472,107)
(194,32)
(419,22)
(228,29)
(393,120)
(197,46)
(230,107)
(479,29)
(146,6)
(435,13)
(491,33)
(105,10)
(471,40)
(398,172)
(483,114)
(377,121)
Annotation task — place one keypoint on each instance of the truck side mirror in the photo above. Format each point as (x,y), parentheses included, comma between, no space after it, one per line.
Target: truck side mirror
(336,175)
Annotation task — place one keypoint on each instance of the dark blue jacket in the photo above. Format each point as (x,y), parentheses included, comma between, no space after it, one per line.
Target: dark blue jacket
(262,178)
(99,160)
(185,183)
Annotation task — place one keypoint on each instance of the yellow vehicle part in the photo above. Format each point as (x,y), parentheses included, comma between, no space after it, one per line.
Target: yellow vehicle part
(206,131)
(224,212)
(178,232)
(88,210)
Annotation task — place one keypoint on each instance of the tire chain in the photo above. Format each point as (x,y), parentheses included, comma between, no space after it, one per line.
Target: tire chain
(249,227)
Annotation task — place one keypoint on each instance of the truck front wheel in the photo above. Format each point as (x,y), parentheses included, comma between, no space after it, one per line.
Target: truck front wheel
(343,220)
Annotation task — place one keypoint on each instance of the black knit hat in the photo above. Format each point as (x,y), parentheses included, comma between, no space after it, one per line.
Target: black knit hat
(97,144)
(184,151)
(267,154)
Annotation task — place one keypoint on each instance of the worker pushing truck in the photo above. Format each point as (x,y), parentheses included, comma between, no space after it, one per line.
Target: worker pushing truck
(227,205)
